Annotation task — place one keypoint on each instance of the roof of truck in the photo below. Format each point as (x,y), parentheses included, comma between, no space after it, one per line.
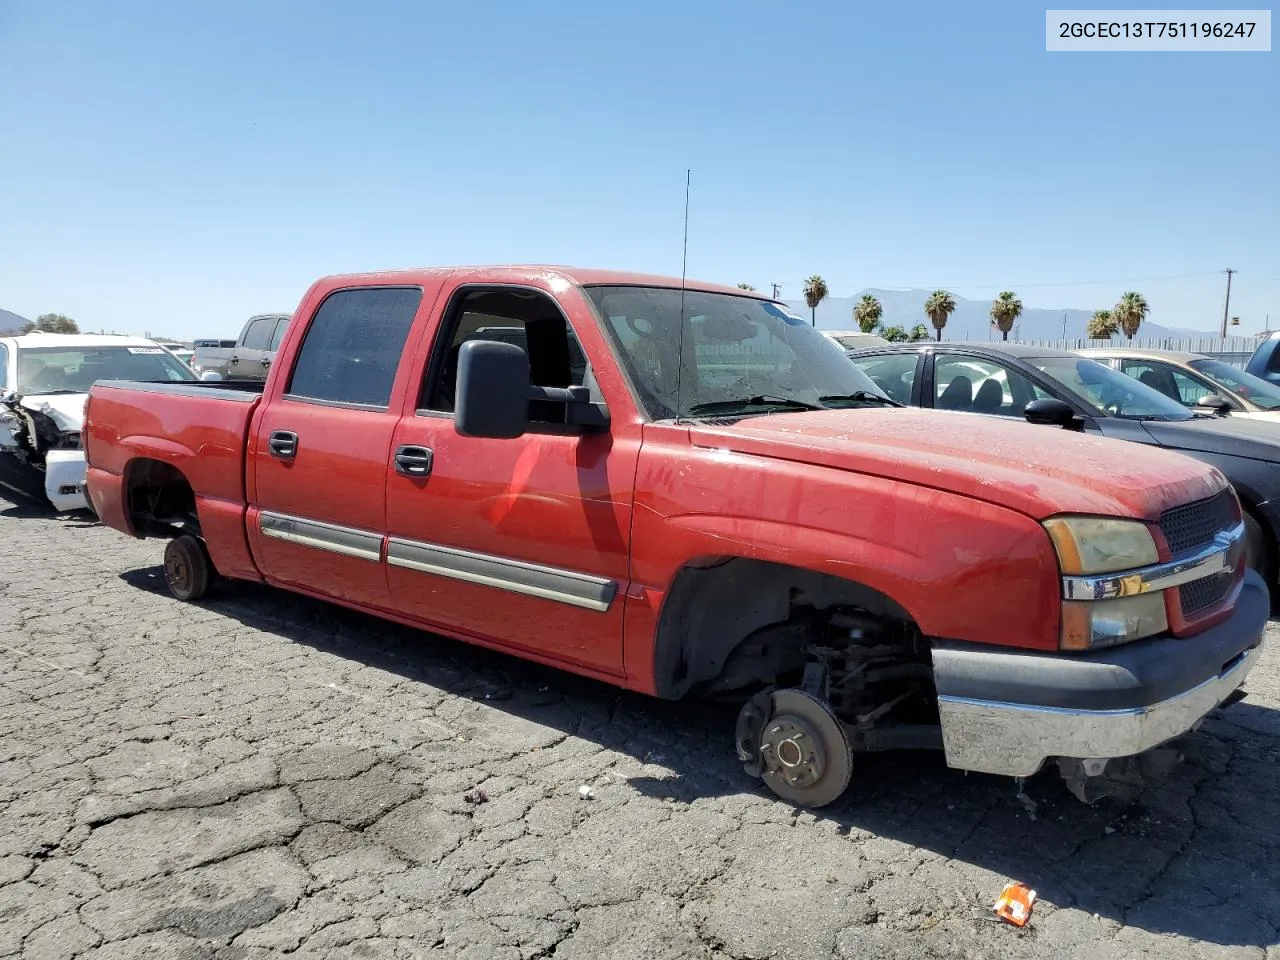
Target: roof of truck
(516,273)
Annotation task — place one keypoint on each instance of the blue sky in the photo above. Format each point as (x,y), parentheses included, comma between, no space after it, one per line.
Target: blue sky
(176,167)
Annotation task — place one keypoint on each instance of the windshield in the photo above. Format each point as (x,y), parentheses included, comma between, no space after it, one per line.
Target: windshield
(74,369)
(734,349)
(1263,395)
(1110,391)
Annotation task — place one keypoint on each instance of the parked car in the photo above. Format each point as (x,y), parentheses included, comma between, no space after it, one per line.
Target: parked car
(1196,382)
(858,575)
(854,339)
(44,382)
(249,356)
(1067,390)
(1265,361)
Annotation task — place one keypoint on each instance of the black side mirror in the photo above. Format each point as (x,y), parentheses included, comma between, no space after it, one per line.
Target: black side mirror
(1050,412)
(1220,406)
(492,397)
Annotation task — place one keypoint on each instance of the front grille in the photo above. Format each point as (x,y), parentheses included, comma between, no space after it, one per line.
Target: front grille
(1203,593)
(1194,525)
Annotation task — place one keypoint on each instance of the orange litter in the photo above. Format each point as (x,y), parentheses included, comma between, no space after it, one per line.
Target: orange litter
(1014,904)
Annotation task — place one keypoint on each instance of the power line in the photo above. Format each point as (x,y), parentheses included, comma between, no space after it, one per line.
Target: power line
(1005,285)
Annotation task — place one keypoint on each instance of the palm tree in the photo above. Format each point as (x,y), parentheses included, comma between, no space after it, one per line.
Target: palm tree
(745,286)
(1005,311)
(815,291)
(938,308)
(1101,326)
(1130,312)
(867,313)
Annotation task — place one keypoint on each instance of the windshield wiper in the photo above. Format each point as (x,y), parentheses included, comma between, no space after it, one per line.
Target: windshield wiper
(861,396)
(53,393)
(762,400)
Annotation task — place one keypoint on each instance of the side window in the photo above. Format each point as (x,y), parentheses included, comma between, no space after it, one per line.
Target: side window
(258,335)
(1157,376)
(894,374)
(1190,389)
(4,368)
(531,321)
(981,386)
(281,326)
(353,346)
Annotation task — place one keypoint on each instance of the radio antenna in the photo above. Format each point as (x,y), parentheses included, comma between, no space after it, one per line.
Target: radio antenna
(684,273)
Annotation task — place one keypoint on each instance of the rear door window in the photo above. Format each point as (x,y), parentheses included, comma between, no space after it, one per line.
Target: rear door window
(894,374)
(353,346)
(258,336)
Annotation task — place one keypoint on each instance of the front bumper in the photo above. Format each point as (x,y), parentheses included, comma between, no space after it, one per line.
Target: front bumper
(64,476)
(1008,712)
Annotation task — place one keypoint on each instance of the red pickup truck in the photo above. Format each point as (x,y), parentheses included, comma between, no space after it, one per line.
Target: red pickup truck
(686,490)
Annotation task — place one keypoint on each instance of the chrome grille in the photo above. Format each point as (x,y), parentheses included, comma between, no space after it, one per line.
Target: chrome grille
(1194,525)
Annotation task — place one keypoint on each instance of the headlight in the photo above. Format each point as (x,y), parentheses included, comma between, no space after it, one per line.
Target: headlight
(1089,545)
(1090,624)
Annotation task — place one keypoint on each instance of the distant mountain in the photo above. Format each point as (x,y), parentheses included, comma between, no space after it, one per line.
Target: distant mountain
(972,319)
(11,321)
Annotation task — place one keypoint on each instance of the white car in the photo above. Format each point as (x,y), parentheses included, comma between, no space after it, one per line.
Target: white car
(854,339)
(1195,381)
(44,383)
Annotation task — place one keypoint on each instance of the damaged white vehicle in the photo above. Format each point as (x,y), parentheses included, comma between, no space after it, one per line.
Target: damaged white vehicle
(44,382)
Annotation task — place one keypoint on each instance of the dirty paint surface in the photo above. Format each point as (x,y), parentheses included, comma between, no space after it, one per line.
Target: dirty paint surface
(263,774)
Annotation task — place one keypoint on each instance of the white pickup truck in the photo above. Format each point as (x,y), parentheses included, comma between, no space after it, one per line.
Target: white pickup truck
(44,382)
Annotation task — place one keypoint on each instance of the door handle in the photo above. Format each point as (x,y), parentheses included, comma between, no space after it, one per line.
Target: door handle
(266,362)
(413,461)
(283,444)
(234,360)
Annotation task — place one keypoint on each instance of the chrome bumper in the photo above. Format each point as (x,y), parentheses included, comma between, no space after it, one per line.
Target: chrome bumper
(1016,739)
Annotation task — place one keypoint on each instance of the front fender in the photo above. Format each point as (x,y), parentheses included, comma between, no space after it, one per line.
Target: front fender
(962,569)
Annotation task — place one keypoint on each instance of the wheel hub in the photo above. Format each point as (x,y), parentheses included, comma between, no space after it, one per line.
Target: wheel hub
(791,749)
(176,568)
(801,748)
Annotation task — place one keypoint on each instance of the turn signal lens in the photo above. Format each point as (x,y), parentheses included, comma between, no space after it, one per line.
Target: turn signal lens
(1091,624)
(1089,545)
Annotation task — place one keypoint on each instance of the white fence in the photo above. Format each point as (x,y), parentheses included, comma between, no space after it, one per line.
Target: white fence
(1233,350)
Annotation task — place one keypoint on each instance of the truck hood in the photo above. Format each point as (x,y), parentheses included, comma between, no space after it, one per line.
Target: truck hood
(1234,436)
(1037,470)
(66,410)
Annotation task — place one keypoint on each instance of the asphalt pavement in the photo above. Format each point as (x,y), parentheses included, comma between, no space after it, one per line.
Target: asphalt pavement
(262,774)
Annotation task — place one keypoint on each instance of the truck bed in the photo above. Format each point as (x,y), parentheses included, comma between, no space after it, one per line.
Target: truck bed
(199,428)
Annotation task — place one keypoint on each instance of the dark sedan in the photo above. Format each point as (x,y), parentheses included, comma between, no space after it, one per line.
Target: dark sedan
(1056,388)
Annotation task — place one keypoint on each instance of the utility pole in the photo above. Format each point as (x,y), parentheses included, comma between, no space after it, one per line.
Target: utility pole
(1226,307)
(776,288)
(1064,328)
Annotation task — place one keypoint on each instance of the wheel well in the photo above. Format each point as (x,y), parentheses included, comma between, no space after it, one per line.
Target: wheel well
(160,500)
(717,605)
(1268,535)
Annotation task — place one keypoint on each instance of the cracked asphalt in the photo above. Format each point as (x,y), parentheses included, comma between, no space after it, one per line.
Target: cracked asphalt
(262,774)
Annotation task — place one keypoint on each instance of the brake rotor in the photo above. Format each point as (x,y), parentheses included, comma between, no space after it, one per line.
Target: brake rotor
(804,751)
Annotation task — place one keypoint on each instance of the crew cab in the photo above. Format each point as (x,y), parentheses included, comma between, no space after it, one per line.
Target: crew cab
(249,356)
(687,490)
